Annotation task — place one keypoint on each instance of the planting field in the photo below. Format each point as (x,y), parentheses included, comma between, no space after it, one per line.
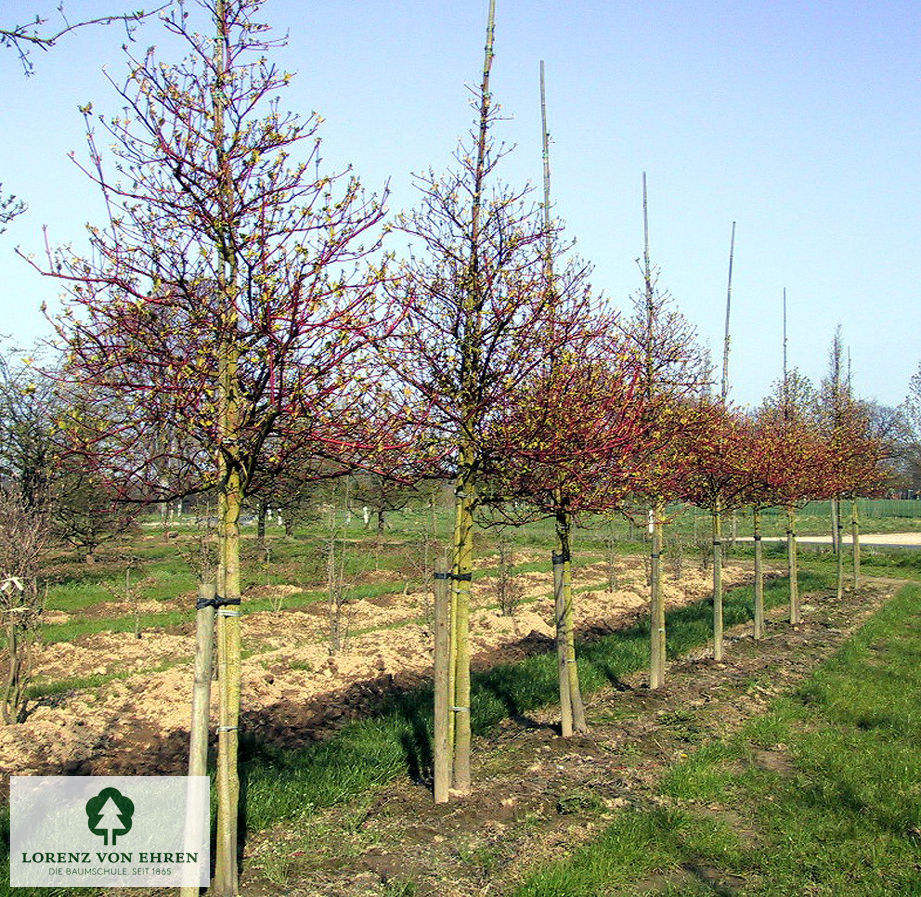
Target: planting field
(113,702)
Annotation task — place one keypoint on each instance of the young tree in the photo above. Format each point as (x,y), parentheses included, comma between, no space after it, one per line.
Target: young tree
(674,368)
(854,454)
(793,449)
(476,326)
(717,475)
(567,443)
(225,304)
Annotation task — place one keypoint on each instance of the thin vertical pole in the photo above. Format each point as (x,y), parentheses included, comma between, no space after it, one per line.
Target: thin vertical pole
(792,566)
(724,389)
(201,693)
(855,540)
(717,584)
(759,575)
(441,746)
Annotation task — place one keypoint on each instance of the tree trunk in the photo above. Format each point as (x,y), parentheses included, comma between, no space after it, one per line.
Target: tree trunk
(835,527)
(792,572)
(466,499)
(759,576)
(229,670)
(380,521)
(560,619)
(855,538)
(657,603)
(441,747)
(717,583)
(563,526)
(231,487)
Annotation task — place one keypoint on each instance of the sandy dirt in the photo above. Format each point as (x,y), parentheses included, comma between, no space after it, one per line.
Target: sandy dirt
(294,689)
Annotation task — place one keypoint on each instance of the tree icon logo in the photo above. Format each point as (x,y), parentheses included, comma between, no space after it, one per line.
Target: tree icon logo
(109,814)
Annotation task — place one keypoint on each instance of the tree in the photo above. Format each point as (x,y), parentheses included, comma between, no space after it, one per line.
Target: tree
(29,403)
(567,444)
(24,541)
(674,368)
(854,453)
(476,327)
(717,475)
(224,306)
(792,454)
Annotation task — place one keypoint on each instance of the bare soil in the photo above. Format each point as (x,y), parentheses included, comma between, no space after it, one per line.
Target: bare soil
(294,689)
(536,796)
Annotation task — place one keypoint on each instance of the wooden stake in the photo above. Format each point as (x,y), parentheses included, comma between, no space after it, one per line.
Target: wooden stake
(443,698)
(855,538)
(792,571)
(717,584)
(759,575)
(201,695)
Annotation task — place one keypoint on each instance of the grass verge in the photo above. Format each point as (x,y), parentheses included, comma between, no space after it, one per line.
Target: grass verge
(821,796)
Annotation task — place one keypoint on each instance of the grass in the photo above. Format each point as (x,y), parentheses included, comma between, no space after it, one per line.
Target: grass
(838,813)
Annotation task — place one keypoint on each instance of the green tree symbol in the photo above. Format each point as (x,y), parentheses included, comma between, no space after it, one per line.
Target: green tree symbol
(109,814)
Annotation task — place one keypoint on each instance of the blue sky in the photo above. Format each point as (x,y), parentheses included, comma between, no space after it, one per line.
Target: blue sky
(802,122)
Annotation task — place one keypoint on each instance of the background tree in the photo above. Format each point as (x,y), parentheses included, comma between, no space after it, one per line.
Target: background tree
(24,541)
(225,301)
(674,367)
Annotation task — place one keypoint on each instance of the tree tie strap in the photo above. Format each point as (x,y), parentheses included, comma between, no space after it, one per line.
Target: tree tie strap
(228,728)
(655,555)
(442,575)
(560,558)
(461,577)
(717,542)
(756,538)
(215,602)
(461,709)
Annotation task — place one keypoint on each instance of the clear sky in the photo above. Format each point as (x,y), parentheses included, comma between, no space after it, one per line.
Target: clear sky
(800,121)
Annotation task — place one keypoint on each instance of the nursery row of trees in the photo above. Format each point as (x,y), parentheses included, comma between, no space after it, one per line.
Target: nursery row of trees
(237,328)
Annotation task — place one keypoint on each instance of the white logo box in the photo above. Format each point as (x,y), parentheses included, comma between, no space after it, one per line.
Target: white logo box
(109,831)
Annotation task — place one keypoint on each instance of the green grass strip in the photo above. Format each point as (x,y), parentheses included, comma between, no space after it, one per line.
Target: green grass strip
(839,814)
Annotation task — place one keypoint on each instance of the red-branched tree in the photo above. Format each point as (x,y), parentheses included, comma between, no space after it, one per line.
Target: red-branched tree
(567,442)
(717,474)
(791,458)
(221,312)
